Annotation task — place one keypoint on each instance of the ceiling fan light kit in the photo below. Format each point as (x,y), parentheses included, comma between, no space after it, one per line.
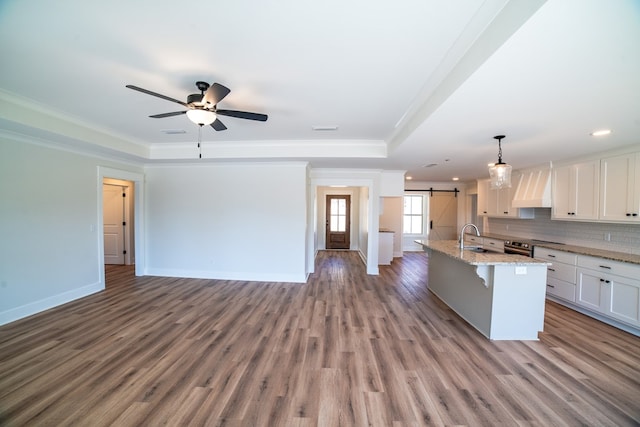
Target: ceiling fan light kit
(500,172)
(201,117)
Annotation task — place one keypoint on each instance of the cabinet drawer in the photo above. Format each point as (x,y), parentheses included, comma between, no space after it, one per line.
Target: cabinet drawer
(562,271)
(561,289)
(610,267)
(493,245)
(552,255)
(470,238)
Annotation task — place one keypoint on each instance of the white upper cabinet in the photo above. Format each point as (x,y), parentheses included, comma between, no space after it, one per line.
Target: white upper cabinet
(483,197)
(575,191)
(620,188)
(498,203)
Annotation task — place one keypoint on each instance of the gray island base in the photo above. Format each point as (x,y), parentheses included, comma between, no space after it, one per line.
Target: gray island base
(501,295)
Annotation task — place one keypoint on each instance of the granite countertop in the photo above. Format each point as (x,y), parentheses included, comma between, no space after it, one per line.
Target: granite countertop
(600,253)
(452,249)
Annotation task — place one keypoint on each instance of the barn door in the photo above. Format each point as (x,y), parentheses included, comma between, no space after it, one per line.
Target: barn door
(443,211)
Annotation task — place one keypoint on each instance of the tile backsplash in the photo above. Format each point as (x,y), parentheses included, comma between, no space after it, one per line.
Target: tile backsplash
(613,237)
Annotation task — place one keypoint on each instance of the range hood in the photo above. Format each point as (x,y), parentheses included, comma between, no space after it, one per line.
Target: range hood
(533,189)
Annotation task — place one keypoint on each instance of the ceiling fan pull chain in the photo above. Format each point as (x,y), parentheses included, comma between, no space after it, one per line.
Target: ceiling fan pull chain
(200,141)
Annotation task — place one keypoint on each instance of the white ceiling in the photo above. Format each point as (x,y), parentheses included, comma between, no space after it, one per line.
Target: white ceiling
(408,83)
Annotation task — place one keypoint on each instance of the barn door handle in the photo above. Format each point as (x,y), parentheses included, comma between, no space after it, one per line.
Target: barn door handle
(430,225)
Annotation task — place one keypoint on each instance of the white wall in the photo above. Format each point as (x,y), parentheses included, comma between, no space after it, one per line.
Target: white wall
(230,221)
(49,226)
(365,229)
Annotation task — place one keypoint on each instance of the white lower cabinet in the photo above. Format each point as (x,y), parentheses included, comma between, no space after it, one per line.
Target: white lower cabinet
(385,247)
(610,289)
(493,245)
(600,288)
(561,274)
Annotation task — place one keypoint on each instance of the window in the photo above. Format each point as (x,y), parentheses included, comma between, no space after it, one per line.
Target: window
(338,220)
(413,215)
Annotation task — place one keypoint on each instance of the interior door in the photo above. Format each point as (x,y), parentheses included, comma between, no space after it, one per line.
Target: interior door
(114,223)
(338,215)
(443,213)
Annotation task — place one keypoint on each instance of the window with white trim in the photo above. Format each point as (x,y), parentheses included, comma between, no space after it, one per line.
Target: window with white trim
(413,215)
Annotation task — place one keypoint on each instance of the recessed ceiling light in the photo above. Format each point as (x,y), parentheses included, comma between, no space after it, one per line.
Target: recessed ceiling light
(326,127)
(455,178)
(601,132)
(408,178)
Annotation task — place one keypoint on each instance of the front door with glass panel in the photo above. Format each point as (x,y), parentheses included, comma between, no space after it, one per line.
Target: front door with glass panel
(338,222)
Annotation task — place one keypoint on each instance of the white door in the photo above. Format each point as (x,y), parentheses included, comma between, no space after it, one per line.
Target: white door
(114,220)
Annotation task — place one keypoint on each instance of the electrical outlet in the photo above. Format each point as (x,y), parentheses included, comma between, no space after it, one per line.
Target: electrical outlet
(607,237)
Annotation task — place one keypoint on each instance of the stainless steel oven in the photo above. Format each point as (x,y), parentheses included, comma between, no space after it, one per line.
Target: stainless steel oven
(520,247)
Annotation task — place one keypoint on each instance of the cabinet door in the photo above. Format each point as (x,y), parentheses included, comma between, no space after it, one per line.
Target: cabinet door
(624,298)
(587,177)
(590,289)
(575,191)
(483,194)
(492,201)
(505,198)
(562,183)
(635,193)
(618,198)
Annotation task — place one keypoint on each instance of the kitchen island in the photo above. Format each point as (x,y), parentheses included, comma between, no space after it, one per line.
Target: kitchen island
(501,295)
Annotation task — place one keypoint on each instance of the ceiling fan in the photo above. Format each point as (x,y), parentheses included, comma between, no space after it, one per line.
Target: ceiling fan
(202,107)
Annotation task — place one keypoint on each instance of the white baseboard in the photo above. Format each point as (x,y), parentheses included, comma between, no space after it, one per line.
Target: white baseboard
(35,307)
(226,275)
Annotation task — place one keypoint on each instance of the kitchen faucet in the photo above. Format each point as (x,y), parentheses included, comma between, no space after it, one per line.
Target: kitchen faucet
(462,233)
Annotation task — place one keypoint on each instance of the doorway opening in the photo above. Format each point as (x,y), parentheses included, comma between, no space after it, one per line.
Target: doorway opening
(134,218)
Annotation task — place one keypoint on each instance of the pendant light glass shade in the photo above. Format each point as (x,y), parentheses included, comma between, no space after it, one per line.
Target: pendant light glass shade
(500,172)
(201,117)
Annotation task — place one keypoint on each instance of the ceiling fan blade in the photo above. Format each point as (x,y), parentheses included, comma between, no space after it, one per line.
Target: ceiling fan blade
(218,125)
(243,115)
(148,92)
(160,116)
(215,93)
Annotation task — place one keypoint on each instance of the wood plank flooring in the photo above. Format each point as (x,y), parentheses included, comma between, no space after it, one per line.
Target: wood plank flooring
(343,349)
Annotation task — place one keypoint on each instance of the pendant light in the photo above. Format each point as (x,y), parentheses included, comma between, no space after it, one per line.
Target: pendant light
(500,172)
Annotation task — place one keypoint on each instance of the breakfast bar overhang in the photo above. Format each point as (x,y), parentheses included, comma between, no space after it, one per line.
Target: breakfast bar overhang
(501,295)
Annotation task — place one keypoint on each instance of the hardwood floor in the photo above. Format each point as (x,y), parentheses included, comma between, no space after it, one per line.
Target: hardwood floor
(343,349)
